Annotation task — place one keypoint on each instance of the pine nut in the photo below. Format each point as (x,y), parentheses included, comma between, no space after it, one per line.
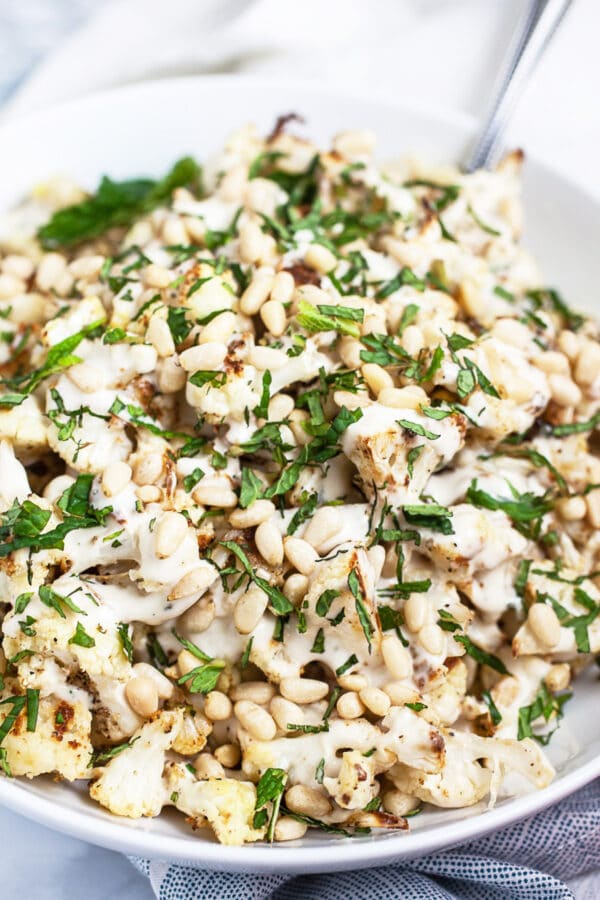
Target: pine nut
(303,690)
(398,803)
(400,693)
(376,557)
(564,391)
(320,258)
(544,624)
(228,755)
(156,276)
(10,286)
(283,287)
(351,401)
(300,554)
(169,533)
(307,801)
(274,318)
(269,543)
(163,685)
(253,515)
(249,609)
(196,581)
(568,342)
(159,335)
(288,829)
(402,398)
(57,486)
(267,358)
(19,266)
(295,588)
(376,377)
(350,706)
(257,292)
(115,478)
(297,419)
(50,268)
(349,349)
(86,266)
(431,638)
(260,692)
(588,363)
(286,713)
(170,375)
(148,493)
(251,242)
(352,681)
(213,495)
(280,407)
(552,362)
(593,507)
(174,232)
(256,720)
(148,469)
(200,616)
(397,658)
(572,508)
(375,700)
(86,377)
(186,662)
(415,612)
(207,766)
(509,331)
(142,696)
(204,356)
(558,677)
(217,706)
(355,145)
(413,340)
(219,330)
(324,525)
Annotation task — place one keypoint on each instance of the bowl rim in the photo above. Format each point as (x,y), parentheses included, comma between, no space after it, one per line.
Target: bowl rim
(342,853)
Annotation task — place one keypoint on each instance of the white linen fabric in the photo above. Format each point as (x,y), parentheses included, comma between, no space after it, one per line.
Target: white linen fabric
(441,51)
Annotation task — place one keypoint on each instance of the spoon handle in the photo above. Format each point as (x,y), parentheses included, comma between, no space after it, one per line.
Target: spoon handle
(534,32)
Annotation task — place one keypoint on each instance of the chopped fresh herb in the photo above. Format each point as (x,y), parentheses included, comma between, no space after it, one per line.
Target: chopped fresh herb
(416,707)
(125,639)
(351,661)
(325,600)
(251,488)
(99,757)
(56,601)
(178,324)
(417,428)
(262,410)
(481,656)
(411,458)
(246,654)
(319,642)
(190,481)
(269,789)
(545,705)
(487,228)
(494,712)
(430,515)
(81,637)
(313,319)
(305,512)
(361,610)
(22,602)
(32,702)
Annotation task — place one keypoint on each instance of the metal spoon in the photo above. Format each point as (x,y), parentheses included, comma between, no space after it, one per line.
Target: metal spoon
(535,30)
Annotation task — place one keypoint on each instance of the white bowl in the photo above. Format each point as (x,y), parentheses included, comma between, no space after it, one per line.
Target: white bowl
(140,130)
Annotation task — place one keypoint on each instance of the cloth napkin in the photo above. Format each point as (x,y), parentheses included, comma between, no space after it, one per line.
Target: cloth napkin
(441,51)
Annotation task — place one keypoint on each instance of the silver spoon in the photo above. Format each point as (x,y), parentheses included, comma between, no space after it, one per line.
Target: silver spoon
(534,32)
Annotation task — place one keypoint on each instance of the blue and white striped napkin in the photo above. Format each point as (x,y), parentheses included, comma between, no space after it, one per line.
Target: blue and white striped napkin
(527,861)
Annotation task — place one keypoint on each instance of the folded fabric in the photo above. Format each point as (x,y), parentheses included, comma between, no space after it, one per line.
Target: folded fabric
(527,861)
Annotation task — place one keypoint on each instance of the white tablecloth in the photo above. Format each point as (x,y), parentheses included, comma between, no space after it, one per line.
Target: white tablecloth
(445,51)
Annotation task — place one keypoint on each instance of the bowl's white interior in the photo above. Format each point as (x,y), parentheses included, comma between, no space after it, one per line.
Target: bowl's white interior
(140,130)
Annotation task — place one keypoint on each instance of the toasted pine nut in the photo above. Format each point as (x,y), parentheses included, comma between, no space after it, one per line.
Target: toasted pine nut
(558,677)
(509,331)
(256,720)
(289,829)
(257,292)
(142,696)
(286,713)
(400,398)
(253,515)
(169,533)
(324,525)
(349,349)
(10,286)
(228,755)
(163,685)
(552,362)
(355,144)
(400,693)
(269,543)
(303,690)
(207,766)
(156,276)
(545,625)
(148,493)
(352,681)
(186,661)
(280,407)
(217,706)
(397,659)
(415,612)
(572,508)
(199,616)
(413,340)
(431,638)
(267,358)
(214,495)
(194,582)
(260,692)
(300,554)
(593,507)
(283,287)
(148,469)
(375,700)
(159,335)
(320,258)
(115,478)
(86,377)
(170,375)
(377,377)
(251,242)
(564,391)
(350,706)
(50,268)
(218,330)
(588,363)
(295,587)
(568,343)
(249,609)
(203,356)
(274,318)
(398,803)
(19,266)
(307,801)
